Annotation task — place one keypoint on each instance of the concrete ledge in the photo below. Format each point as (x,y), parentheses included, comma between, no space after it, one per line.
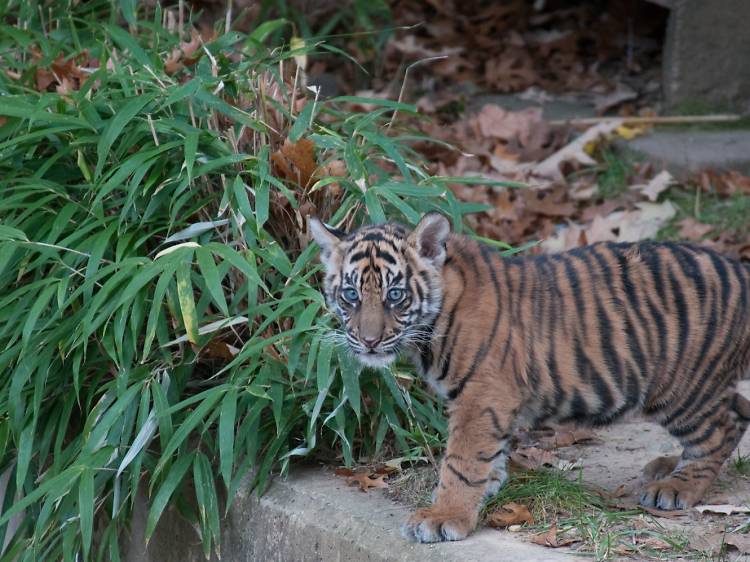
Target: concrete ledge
(683,152)
(314,516)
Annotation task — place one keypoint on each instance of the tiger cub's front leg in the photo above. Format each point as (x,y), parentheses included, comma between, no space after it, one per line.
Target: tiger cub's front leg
(472,467)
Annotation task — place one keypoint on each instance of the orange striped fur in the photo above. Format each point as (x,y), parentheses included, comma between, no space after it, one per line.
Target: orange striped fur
(585,336)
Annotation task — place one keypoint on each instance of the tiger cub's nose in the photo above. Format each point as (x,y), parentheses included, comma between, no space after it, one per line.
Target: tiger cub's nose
(371,343)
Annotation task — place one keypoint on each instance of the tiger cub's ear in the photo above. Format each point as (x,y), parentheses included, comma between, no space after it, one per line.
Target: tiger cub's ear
(327,237)
(429,237)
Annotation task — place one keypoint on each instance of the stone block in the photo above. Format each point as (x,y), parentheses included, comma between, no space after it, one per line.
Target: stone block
(707,55)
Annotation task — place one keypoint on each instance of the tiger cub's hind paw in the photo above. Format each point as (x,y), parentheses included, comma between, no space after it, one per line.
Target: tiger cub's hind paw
(670,493)
(435,525)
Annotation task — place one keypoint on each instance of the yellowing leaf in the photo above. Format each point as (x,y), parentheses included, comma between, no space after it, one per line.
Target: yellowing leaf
(629,133)
(187,302)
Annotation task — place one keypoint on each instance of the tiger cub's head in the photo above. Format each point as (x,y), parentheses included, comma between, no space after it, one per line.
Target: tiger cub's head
(384,282)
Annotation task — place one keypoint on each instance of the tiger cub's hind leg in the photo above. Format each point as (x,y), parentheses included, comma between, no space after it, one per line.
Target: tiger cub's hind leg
(708,441)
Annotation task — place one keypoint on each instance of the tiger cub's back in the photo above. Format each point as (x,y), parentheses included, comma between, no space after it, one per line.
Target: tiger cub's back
(602,329)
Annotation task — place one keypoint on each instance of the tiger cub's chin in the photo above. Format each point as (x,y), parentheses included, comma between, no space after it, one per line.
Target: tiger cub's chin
(377,360)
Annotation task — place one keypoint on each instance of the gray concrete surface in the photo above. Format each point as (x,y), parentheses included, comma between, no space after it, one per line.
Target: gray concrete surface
(706,58)
(314,517)
(553,108)
(686,151)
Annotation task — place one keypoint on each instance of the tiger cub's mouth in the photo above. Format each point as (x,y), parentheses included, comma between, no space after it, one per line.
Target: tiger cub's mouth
(375,358)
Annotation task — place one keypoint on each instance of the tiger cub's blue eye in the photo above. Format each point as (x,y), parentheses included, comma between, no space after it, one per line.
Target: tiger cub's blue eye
(395,295)
(350,295)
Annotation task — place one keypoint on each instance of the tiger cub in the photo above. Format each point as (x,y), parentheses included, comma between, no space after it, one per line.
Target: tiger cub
(586,336)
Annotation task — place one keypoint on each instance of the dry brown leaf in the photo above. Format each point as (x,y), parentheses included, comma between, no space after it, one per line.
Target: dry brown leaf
(495,122)
(512,70)
(295,162)
(566,438)
(220,350)
(740,542)
(183,56)
(659,183)
(710,543)
(646,221)
(621,226)
(550,538)
(724,509)
(363,480)
(691,229)
(575,151)
(567,238)
(621,94)
(367,481)
(736,182)
(654,543)
(510,514)
(65,74)
(548,202)
(533,458)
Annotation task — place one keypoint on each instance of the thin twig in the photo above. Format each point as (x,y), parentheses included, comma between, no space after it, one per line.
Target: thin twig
(153,129)
(56,247)
(181,20)
(228,23)
(403,83)
(655,120)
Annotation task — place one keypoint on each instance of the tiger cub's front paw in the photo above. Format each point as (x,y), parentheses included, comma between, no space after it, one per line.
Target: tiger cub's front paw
(671,493)
(434,524)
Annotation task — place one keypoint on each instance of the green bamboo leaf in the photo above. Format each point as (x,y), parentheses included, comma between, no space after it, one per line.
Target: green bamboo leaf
(163,415)
(115,126)
(86,508)
(350,371)
(185,91)
(324,364)
(237,260)
(213,280)
(102,425)
(127,42)
(191,149)
(190,423)
(173,479)
(187,302)
(226,435)
(409,212)
(374,207)
(10,234)
(303,121)
(36,310)
(25,449)
(139,443)
(265,29)
(208,504)
(262,201)
(156,305)
(128,9)
(58,486)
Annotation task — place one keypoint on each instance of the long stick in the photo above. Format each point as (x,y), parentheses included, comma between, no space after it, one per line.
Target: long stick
(656,120)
